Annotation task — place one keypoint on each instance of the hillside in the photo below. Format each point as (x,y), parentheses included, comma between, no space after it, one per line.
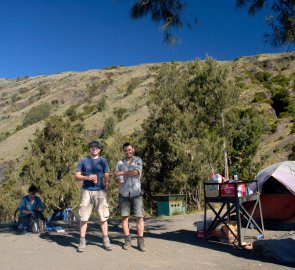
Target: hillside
(121,93)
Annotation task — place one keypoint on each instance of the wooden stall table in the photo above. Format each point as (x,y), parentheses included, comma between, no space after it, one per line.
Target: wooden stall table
(229,197)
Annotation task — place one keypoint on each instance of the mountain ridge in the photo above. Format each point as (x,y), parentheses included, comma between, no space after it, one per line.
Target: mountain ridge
(125,90)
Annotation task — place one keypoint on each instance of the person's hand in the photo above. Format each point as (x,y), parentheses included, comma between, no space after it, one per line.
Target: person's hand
(120,179)
(118,173)
(93,177)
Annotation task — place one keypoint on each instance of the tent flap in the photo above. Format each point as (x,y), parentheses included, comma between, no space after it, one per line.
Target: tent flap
(284,172)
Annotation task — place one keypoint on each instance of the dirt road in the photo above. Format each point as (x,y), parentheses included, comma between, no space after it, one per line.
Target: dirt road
(171,244)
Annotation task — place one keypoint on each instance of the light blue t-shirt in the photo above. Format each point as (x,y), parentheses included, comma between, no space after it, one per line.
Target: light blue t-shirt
(131,185)
(88,166)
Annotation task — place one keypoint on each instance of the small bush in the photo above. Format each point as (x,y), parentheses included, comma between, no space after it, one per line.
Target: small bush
(92,90)
(3,136)
(36,114)
(120,113)
(15,98)
(260,97)
(109,128)
(281,80)
(42,90)
(111,67)
(262,76)
(282,103)
(54,102)
(134,82)
(72,113)
(89,109)
(23,90)
(292,154)
(101,104)
(154,68)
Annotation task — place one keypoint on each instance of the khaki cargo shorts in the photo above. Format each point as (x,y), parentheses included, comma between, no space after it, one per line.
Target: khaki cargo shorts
(96,199)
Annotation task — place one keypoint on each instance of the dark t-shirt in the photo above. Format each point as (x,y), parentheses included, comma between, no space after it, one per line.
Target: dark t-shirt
(25,204)
(87,166)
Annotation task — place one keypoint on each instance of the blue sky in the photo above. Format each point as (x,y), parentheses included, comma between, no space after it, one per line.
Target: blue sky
(42,37)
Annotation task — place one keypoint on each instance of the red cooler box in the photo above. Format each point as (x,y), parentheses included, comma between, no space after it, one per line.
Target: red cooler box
(228,189)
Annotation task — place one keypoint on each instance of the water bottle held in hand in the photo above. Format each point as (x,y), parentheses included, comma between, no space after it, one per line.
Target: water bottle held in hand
(95,178)
(120,179)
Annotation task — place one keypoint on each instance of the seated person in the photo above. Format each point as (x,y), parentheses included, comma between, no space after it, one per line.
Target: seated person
(30,206)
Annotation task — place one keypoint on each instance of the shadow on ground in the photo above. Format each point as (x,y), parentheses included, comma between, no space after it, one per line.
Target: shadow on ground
(155,230)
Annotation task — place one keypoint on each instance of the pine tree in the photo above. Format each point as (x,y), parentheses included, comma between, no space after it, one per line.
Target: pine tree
(50,165)
(183,134)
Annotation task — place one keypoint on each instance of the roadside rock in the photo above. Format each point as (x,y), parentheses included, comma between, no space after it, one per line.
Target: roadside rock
(282,249)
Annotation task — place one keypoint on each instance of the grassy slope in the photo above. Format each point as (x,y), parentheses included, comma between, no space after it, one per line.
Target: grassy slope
(71,88)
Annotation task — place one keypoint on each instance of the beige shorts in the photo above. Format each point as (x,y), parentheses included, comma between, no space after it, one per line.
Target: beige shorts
(96,199)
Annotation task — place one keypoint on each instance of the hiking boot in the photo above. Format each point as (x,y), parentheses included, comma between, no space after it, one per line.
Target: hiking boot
(140,244)
(82,245)
(106,243)
(127,243)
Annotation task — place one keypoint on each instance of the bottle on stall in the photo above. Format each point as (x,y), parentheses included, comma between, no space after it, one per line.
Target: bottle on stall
(212,177)
(235,177)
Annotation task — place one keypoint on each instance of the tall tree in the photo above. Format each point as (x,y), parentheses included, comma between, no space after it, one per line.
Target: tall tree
(169,13)
(50,165)
(183,134)
(281,19)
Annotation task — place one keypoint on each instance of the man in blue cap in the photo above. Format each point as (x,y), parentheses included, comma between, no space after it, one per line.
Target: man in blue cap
(94,172)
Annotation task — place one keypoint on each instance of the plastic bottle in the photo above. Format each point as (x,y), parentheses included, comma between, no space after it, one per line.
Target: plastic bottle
(259,236)
(235,177)
(212,177)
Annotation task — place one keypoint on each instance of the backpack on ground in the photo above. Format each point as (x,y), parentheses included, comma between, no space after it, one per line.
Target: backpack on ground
(37,225)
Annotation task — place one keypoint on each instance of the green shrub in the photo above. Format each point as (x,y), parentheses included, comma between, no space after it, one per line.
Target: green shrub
(54,102)
(23,90)
(260,97)
(72,113)
(109,128)
(154,68)
(92,90)
(262,76)
(292,154)
(36,114)
(134,82)
(282,102)
(101,104)
(111,67)
(120,113)
(89,109)
(4,135)
(15,98)
(281,80)
(42,90)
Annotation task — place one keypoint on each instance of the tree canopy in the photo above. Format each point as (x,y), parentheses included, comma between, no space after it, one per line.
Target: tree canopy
(50,165)
(192,113)
(172,14)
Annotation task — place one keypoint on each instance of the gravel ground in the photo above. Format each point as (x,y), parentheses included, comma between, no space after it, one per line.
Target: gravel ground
(171,244)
